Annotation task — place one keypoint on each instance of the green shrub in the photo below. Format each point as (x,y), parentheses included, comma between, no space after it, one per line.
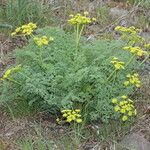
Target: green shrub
(59,81)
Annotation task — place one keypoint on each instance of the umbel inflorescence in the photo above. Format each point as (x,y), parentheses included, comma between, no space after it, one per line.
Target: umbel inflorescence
(27,29)
(124,107)
(69,116)
(80,19)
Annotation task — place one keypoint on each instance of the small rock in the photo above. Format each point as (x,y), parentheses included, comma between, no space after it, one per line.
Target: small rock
(117,12)
(134,142)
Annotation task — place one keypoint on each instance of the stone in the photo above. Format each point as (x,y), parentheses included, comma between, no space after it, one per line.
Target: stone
(128,18)
(134,141)
(117,12)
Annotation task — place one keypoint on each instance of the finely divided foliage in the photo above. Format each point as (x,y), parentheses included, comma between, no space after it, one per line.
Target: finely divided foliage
(64,74)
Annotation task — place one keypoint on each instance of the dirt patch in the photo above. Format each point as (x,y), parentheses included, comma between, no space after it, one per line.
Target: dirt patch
(12,131)
(7,45)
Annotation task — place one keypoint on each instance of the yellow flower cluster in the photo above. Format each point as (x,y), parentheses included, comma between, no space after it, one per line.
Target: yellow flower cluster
(130,30)
(124,107)
(147,46)
(44,40)
(72,115)
(27,29)
(79,19)
(136,50)
(130,34)
(133,80)
(117,64)
(9,71)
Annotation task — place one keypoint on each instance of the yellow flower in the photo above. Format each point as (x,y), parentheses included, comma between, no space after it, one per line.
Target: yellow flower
(147,46)
(27,29)
(78,120)
(133,79)
(79,19)
(121,103)
(32,25)
(71,15)
(71,115)
(125,108)
(68,110)
(73,112)
(18,29)
(78,115)
(126,83)
(13,33)
(11,70)
(43,40)
(123,111)
(137,85)
(117,108)
(136,50)
(65,115)
(117,64)
(77,110)
(86,13)
(58,120)
(114,100)
(130,30)
(124,118)
(128,108)
(6,74)
(94,19)
(51,38)
(129,100)
(130,113)
(123,97)
(63,111)
(118,28)
(135,112)
(69,119)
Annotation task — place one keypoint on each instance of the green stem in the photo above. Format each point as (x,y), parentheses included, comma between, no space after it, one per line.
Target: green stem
(32,36)
(11,112)
(12,80)
(111,75)
(40,59)
(115,76)
(78,35)
(144,60)
(130,60)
